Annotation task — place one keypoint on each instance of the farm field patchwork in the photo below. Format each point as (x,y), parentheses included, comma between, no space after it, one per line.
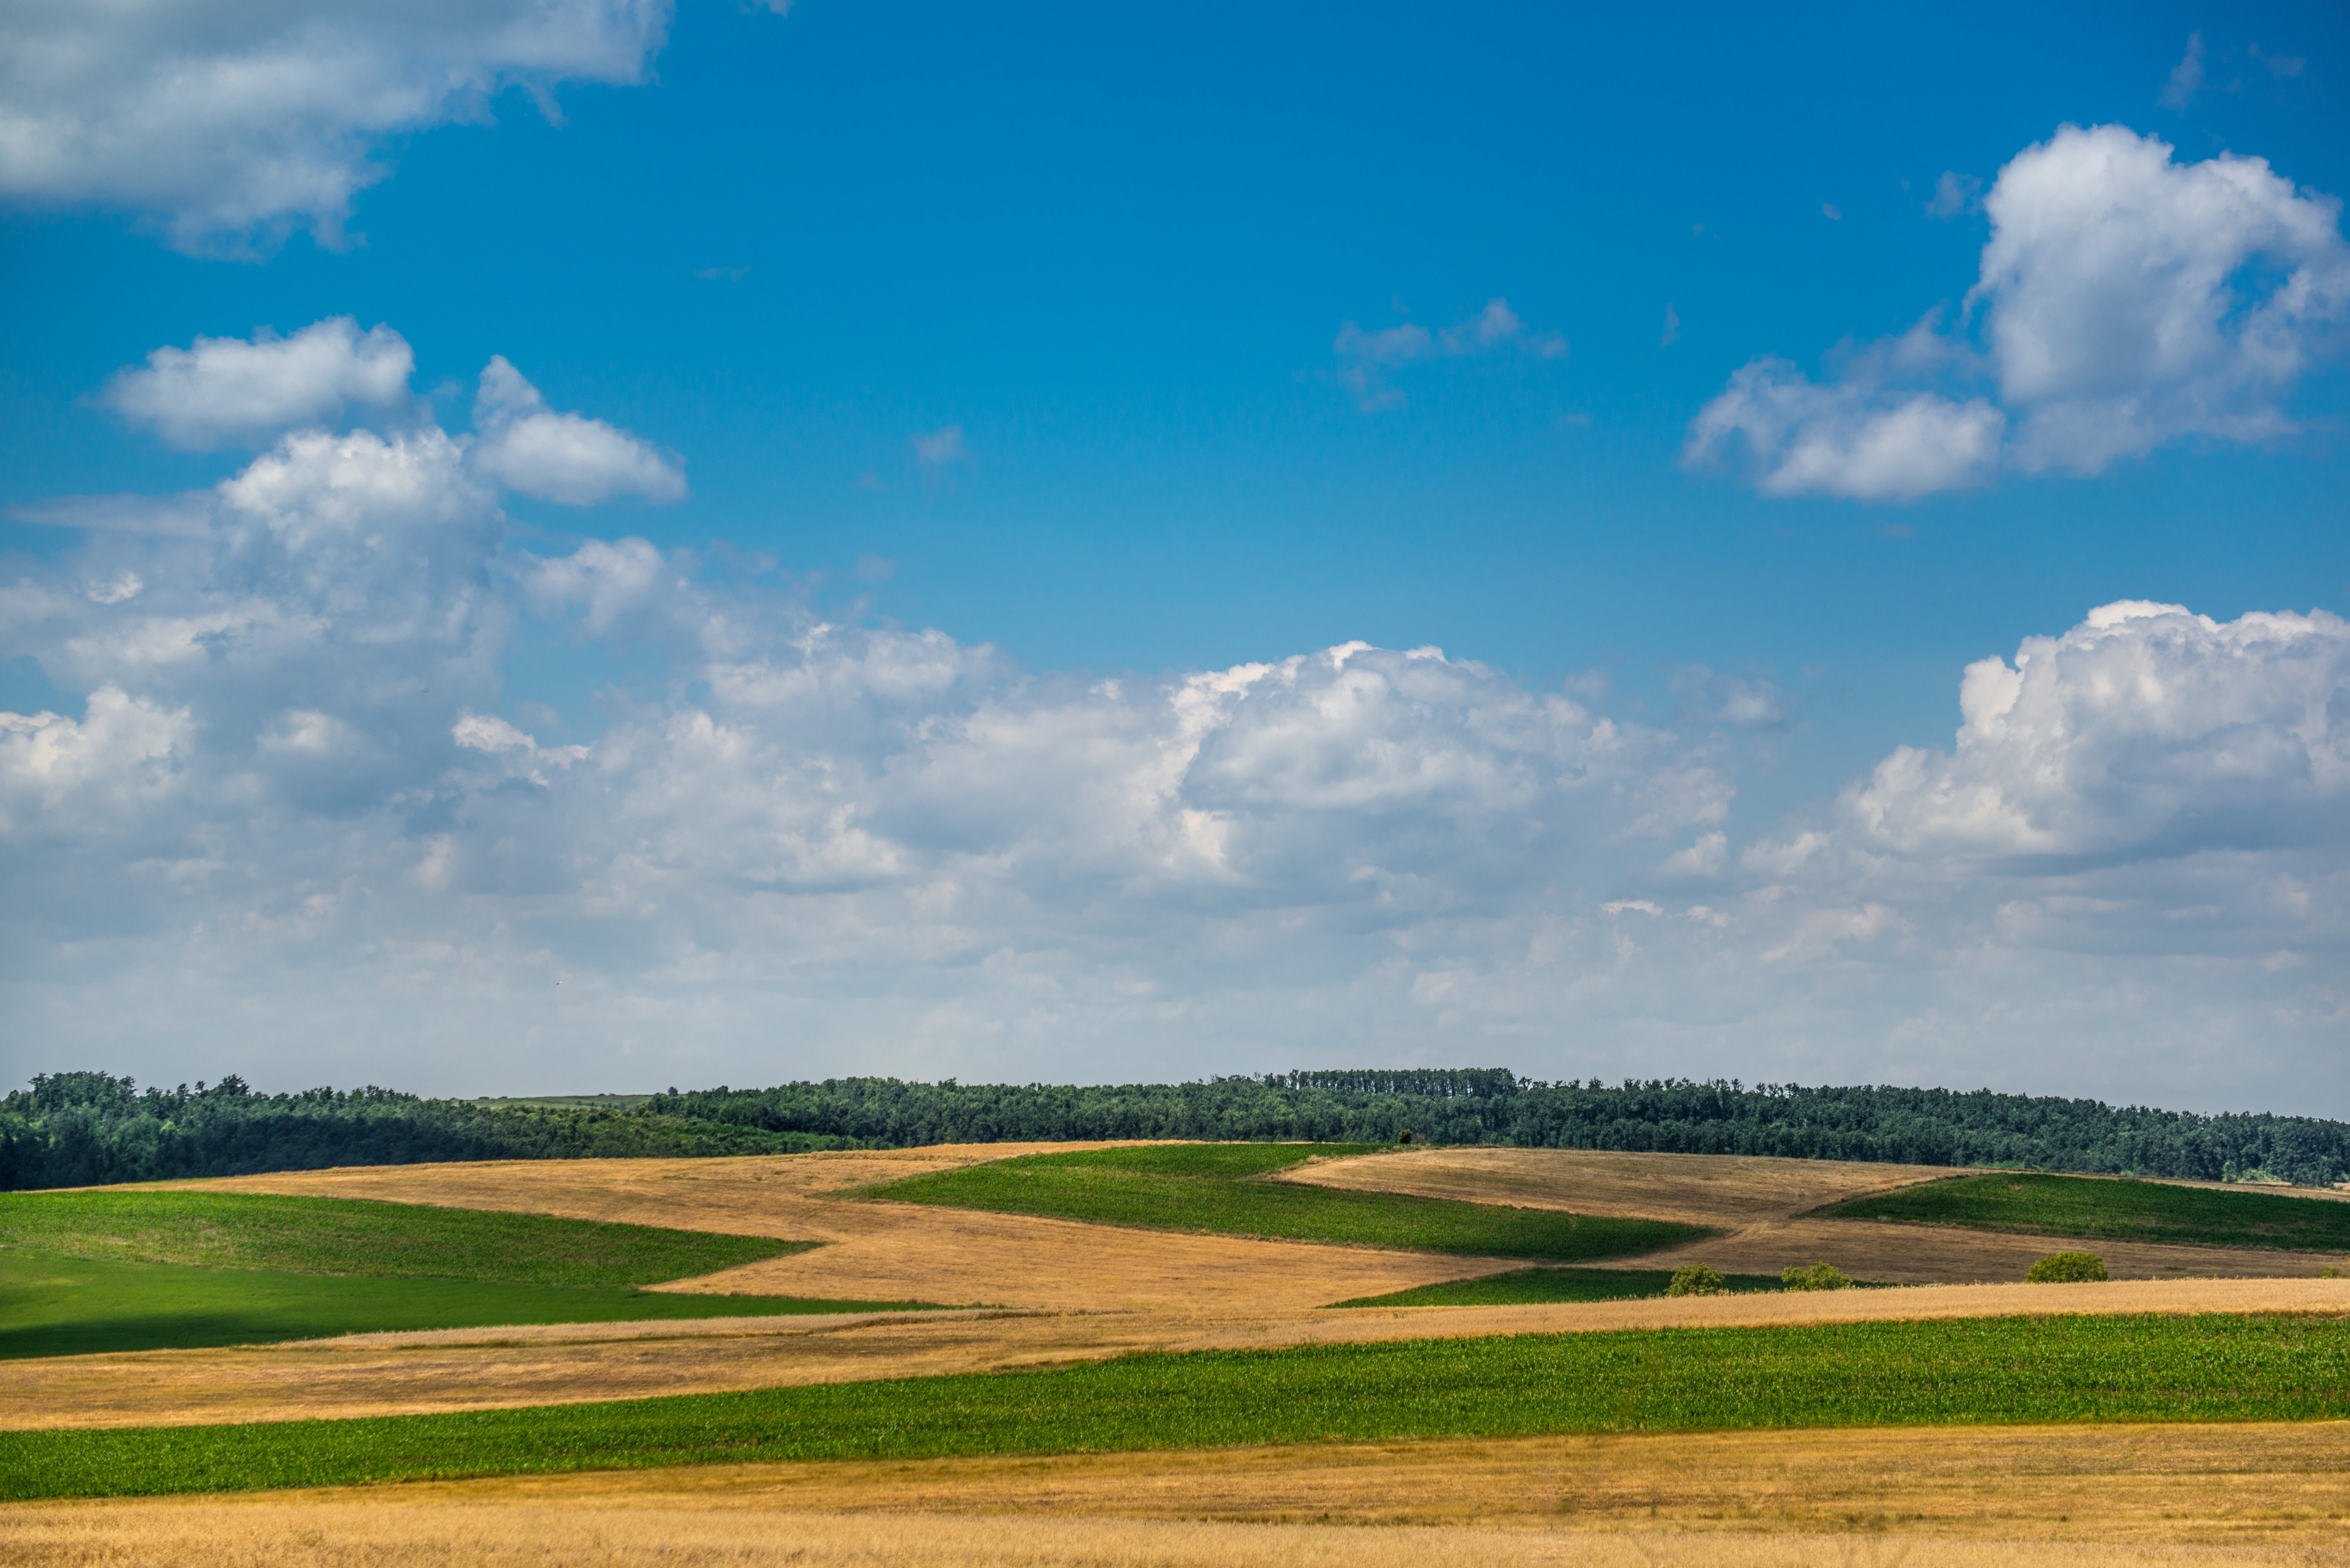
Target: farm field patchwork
(2105,1208)
(2015,1370)
(53,1304)
(357,1236)
(1525,1286)
(1212,1188)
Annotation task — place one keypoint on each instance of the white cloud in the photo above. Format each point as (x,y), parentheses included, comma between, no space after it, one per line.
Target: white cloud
(569,458)
(1366,358)
(936,449)
(1954,194)
(2146,730)
(303,816)
(2125,300)
(225,389)
(2131,299)
(2186,81)
(1848,439)
(230,125)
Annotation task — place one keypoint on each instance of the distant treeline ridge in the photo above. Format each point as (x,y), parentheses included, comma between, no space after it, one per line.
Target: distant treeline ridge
(85,1129)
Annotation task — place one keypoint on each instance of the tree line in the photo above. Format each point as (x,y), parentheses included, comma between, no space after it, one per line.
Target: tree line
(1493,1106)
(88,1129)
(72,1129)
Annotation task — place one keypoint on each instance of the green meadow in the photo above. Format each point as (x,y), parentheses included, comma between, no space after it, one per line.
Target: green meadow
(82,1273)
(2112,1210)
(1218,1188)
(51,1305)
(1982,1371)
(1526,1287)
(355,1236)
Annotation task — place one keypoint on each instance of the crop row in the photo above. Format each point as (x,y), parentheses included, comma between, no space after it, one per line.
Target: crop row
(2001,1370)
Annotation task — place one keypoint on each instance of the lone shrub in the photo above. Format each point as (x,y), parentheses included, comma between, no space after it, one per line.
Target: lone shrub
(1695,1280)
(2067,1268)
(2331,1271)
(1818,1277)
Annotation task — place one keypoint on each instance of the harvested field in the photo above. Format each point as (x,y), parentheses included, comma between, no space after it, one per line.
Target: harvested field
(1933,1254)
(462,1369)
(900,1251)
(2062,1498)
(1726,1191)
(1760,1202)
(2035,1203)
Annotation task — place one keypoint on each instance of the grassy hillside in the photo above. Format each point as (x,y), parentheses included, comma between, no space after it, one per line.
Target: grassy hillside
(348,1236)
(1526,1287)
(1994,1370)
(1208,1188)
(55,1305)
(2114,1211)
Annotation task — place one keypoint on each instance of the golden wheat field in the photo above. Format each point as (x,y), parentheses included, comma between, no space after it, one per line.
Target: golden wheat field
(2076,1495)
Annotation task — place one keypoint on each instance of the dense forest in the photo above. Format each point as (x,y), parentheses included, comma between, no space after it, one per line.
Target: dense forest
(83,1129)
(1917,1127)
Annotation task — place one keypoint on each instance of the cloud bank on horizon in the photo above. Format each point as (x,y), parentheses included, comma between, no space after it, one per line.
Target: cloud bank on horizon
(291,813)
(2126,300)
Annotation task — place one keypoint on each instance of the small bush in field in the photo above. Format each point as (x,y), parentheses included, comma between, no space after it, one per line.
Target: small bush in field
(1696,1280)
(2067,1268)
(1818,1277)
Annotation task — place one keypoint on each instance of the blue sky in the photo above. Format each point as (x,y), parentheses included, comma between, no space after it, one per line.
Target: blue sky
(1121,257)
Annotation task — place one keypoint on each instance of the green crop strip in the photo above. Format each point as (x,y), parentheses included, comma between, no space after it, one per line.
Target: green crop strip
(1522,1287)
(1969,1370)
(55,1305)
(349,1236)
(1210,1188)
(2111,1210)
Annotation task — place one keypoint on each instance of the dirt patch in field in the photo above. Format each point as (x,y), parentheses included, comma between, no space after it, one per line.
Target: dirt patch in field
(2079,1497)
(1761,1203)
(897,1251)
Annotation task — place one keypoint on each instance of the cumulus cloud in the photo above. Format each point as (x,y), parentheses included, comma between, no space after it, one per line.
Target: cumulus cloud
(1849,439)
(301,811)
(232,126)
(567,458)
(1366,358)
(2125,300)
(2146,730)
(2130,300)
(226,389)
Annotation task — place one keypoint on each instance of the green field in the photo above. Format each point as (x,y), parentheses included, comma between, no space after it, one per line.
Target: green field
(55,1305)
(109,1271)
(1970,1371)
(351,1236)
(1208,1187)
(1524,1287)
(2111,1210)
